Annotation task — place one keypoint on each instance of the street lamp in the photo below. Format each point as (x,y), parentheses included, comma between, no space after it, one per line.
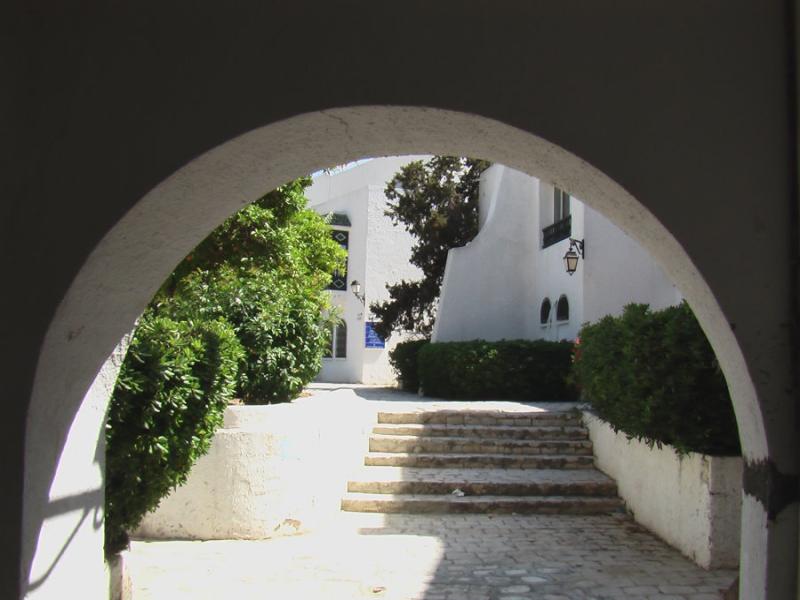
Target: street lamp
(356,289)
(575,251)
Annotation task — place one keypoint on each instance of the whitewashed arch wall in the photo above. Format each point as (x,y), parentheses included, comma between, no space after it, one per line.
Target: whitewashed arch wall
(138,253)
(690,107)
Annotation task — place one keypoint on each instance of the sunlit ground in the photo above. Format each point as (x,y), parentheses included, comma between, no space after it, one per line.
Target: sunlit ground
(432,558)
(338,562)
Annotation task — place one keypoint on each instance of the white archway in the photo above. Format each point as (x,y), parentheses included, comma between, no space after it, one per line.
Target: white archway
(63,486)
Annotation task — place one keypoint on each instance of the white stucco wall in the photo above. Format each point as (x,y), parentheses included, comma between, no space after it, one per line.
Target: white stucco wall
(551,279)
(268,464)
(387,255)
(495,286)
(692,502)
(353,203)
(76,500)
(379,254)
(486,287)
(618,271)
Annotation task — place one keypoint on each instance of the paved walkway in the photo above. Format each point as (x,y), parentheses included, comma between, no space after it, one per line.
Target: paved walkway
(423,557)
(428,557)
(391,399)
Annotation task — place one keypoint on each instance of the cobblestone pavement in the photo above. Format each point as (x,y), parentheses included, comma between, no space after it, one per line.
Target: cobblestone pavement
(423,557)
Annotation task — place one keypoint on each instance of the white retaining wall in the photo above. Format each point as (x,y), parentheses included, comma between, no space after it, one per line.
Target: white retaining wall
(692,502)
(266,465)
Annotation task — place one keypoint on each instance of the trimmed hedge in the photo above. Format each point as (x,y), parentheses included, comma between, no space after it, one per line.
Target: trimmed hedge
(174,385)
(654,376)
(517,369)
(403,358)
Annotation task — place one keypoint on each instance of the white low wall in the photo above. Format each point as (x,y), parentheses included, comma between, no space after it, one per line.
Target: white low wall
(119,581)
(692,502)
(266,465)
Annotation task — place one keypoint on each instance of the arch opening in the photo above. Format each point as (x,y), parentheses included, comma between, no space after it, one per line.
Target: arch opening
(562,309)
(544,312)
(122,273)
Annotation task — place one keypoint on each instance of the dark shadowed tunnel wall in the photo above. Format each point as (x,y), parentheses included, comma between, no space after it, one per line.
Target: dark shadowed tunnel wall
(134,130)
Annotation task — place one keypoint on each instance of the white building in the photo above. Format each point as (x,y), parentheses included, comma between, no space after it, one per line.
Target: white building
(510,282)
(378,255)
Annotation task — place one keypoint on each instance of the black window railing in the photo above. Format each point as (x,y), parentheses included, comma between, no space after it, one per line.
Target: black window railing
(560,230)
(339,279)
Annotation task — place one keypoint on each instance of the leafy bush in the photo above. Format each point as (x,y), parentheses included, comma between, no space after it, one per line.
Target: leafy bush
(241,315)
(174,385)
(279,326)
(264,271)
(403,358)
(654,376)
(519,369)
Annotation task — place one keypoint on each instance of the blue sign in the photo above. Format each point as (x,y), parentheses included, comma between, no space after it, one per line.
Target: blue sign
(372,339)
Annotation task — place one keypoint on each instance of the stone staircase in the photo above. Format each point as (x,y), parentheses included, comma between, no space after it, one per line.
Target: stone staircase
(480,461)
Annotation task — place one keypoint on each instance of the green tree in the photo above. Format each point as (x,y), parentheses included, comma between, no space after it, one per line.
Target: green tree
(437,202)
(242,315)
(264,271)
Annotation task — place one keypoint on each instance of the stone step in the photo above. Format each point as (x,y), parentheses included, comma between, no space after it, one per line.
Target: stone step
(466,461)
(477,482)
(482,417)
(410,503)
(459,445)
(545,432)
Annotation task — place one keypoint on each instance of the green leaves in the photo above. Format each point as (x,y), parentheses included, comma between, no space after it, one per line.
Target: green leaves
(170,396)
(403,358)
(264,271)
(437,202)
(654,376)
(518,369)
(242,316)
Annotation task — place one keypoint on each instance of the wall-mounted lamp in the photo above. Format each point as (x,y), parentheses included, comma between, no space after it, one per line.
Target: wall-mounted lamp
(575,251)
(356,288)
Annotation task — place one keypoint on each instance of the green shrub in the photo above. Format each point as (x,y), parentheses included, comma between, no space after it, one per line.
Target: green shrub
(403,358)
(518,369)
(654,376)
(243,314)
(174,385)
(277,320)
(264,271)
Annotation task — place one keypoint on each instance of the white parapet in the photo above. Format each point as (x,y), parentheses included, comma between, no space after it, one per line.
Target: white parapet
(693,502)
(271,470)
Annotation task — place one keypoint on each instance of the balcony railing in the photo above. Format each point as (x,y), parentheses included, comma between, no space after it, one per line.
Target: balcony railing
(556,232)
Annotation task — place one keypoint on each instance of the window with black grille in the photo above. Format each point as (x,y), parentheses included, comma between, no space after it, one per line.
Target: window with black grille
(561,228)
(339,279)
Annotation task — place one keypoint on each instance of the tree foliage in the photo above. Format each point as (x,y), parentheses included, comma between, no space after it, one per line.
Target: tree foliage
(242,315)
(264,271)
(437,202)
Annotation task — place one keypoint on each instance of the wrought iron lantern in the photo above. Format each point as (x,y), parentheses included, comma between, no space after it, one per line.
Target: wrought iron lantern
(574,252)
(355,287)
